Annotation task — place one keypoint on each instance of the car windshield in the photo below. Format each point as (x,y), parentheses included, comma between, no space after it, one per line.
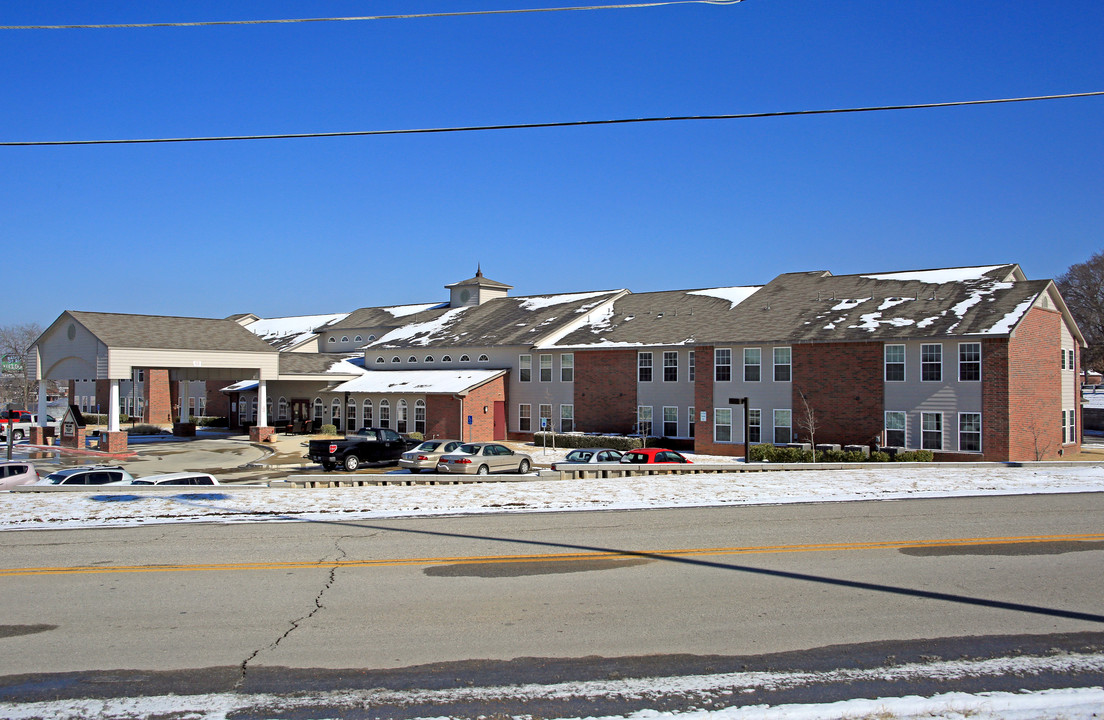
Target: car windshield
(59,477)
(428,446)
(468,449)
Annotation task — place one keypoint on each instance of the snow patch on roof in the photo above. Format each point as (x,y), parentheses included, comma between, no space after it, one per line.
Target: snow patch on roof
(404,310)
(735,295)
(1006,323)
(539,303)
(419,333)
(417,381)
(347,366)
(850,304)
(938,277)
(300,328)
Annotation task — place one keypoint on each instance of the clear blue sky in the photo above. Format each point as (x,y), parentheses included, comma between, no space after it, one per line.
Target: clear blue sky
(295,227)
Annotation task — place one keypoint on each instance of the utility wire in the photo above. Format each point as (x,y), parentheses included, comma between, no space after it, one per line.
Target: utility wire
(623,6)
(530,126)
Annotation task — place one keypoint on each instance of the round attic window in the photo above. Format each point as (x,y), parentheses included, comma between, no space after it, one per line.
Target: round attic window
(71,333)
(465,295)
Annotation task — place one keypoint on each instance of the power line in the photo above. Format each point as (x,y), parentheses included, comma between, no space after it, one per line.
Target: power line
(531,126)
(207,23)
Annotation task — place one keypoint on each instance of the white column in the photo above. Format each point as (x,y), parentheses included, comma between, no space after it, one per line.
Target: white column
(42,402)
(113,408)
(262,404)
(185,396)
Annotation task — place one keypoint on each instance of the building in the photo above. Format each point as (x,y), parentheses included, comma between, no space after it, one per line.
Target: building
(972,363)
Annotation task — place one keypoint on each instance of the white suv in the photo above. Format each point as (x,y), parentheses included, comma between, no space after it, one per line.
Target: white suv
(89,475)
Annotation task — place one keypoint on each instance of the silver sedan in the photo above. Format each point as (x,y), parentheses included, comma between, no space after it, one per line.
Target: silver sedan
(483,458)
(427,455)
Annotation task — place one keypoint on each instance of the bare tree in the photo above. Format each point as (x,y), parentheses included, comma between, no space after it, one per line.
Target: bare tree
(18,366)
(1042,438)
(807,421)
(1082,287)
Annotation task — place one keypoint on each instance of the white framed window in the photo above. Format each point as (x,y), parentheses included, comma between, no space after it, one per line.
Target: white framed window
(371,338)
(396,359)
(722,364)
(332,340)
(644,420)
(567,418)
(318,410)
(931,430)
(380,361)
(483,358)
(783,428)
(755,425)
(400,416)
(464,358)
(525,368)
(366,412)
(335,413)
(350,416)
(344,338)
(253,410)
(412,360)
(202,405)
(428,359)
(384,414)
(753,364)
(1072,426)
(783,358)
(243,412)
(420,417)
(446,358)
(545,419)
(690,368)
(894,363)
(670,366)
(931,363)
(358,339)
(525,418)
(141,376)
(282,411)
(670,421)
(567,367)
(545,368)
(690,420)
(722,425)
(895,428)
(969,432)
(969,362)
(643,367)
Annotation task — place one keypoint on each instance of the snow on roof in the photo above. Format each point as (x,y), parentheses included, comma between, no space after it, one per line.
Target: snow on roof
(940,276)
(298,328)
(1006,324)
(539,303)
(240,386)
(404,310)
(425,329)
(734,295)
(418,381)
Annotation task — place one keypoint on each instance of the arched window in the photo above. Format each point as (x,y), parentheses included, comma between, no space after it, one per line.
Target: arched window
(253,410)
(367,418)
(357,339)
(484,358)
(446,358)
(420,417)
(335,413)
(400,425)
(385,414)
(395,359)
(465,358)
(282,411)
(350,416)
(332,340)
(429,358)
(268,410)
(318,411)
(344,338)
(243,410)
(371,338)
(412,359)
(380,361)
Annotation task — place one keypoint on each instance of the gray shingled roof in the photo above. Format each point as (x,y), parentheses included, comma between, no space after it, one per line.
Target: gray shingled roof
(165,333)
(499,322)
(382,317)
(294,363)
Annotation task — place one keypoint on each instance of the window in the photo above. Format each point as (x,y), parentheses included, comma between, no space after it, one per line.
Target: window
(1063,427)
(428,359)
(895,429)
(567,418)
(202,406)
(358,339)
(722,425)
(567,367)
(412,359)
(350,416)
(367,413)
(690,419)
(420,417)
(344,338)
(670,422)
(670,366)
(931,430)
(318,410)
(690,368)
(525,368)
(969,432)
(545,412)
(1072,426)
(380,361)
(141,376)
(644,367)
(931,363)
(282,412)
(525,419)
(395,359)
(969,362)
(546,368)
(895,363)
(335,413)
(782,425)
(400,416)
(465,358)
(782,357)
(332,340)
(371,338)
(385,414)
(722,364)
(755,426)
(753,361)
(483,358)
(446,358)
(1063,351)
(644,420)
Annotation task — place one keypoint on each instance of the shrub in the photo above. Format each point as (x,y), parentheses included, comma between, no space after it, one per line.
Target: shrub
(145,430)
(915,456)
(761,453)
(791,455)
(832,456)
(415,436)
(328,429)
(212,421)
(879,456)
(854,456)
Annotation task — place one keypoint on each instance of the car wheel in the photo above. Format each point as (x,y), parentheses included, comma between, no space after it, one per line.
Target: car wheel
(17,434)
(328,466)
(524,467)
(483,470)
(352,462)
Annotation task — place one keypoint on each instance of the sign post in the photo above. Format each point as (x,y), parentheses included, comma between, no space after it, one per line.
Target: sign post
(470,421)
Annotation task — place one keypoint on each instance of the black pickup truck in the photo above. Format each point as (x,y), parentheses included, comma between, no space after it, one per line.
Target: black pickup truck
(368,445)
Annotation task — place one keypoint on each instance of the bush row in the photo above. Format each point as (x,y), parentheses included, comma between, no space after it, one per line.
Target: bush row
(772,453)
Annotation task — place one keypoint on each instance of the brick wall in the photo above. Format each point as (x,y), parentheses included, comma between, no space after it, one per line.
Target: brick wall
(703,402)
(605,391)
(443,413)
(156,398)
(1035,388)
(844,387)
(995,407)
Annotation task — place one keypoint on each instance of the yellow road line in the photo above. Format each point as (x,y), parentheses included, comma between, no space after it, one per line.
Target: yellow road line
(552,557)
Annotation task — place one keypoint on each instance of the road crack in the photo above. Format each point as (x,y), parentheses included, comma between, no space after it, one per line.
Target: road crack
(297,622)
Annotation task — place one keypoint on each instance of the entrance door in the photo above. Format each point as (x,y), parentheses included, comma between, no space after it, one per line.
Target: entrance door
(300,415)
(500,420)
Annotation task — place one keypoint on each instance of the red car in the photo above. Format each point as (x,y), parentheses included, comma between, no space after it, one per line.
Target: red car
(644,456)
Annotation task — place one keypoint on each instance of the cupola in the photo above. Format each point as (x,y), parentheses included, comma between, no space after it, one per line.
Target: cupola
(476,290)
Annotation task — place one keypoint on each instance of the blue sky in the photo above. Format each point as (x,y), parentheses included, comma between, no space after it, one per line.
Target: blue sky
(296,227)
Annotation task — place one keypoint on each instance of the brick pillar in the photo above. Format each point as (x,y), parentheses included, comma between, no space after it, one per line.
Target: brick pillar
(76,442)
(156,398)
(261,434)
(113,442)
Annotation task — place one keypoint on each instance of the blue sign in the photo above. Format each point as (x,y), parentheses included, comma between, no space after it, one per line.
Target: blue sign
(469,419)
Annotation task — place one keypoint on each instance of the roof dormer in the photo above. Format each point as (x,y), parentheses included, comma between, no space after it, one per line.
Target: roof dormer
(476,290)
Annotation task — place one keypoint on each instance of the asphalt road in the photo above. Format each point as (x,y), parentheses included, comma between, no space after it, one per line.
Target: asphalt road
(233,607)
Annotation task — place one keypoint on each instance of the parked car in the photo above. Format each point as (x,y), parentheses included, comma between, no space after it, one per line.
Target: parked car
(483,458)
(653,455)
(426,455)
(589,455)
(368,445)
(17,473)
(177,478)
(89,475)
(20,422)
